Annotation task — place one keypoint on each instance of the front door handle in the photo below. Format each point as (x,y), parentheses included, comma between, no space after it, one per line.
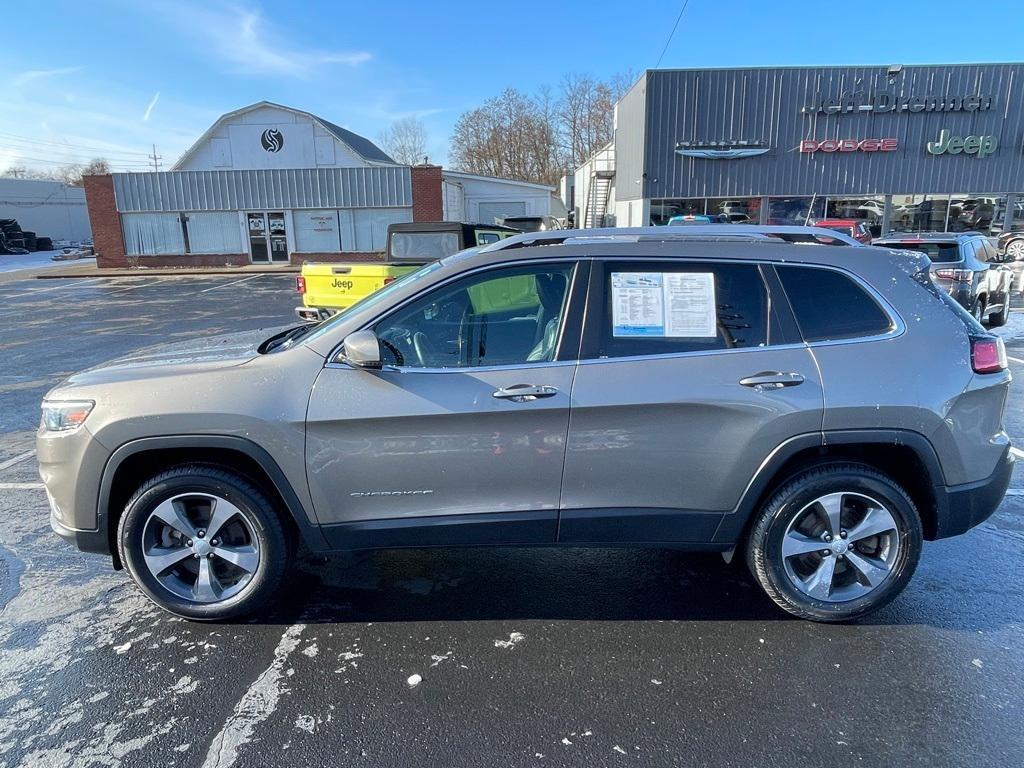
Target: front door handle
(769,380)
(525,393)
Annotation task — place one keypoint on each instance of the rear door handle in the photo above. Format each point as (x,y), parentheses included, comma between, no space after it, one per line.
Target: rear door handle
(525,393)
(769,380)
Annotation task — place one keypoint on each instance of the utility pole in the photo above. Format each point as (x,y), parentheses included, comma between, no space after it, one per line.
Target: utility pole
(155,158)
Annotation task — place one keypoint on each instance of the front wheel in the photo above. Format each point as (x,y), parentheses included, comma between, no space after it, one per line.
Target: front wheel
(204,543)
(835,543)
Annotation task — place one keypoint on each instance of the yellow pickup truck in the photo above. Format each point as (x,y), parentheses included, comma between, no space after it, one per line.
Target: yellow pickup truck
(329,288)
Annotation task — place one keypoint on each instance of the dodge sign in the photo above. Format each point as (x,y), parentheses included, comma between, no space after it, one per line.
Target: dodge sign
(849,145)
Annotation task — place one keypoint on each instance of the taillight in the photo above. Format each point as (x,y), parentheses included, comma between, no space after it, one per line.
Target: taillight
(300,284)
(388,280)
(988,354)
(956,275)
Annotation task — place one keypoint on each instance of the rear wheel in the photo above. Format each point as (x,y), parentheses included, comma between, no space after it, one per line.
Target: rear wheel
(835,543)
(1015,250)
(1004,314)
(204,543)
(979,310)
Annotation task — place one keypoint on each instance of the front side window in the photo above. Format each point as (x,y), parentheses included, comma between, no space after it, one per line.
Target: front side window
(654,308)
(509,316)
(830,306)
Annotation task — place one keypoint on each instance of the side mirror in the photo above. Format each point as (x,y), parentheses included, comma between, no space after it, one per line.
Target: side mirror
(361,350)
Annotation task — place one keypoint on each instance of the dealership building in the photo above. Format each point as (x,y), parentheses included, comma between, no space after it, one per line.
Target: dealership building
(269,184)
(903,147)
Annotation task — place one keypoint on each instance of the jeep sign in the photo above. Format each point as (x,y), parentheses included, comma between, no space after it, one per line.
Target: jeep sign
(849,145)
(982,146)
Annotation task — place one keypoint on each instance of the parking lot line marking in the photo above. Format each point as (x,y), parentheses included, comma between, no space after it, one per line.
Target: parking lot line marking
(64,284)
(21,486)
(1017,452)
(1015,491)
(233,282)
(18,459)
(1015,359)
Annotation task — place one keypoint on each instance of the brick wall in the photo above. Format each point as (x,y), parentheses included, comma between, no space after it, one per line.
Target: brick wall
(187,260)
(104,220)
(427,199)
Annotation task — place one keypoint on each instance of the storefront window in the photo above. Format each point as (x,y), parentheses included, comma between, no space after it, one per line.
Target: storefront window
(663,210)
(736,210)
(976,212)
(796,211)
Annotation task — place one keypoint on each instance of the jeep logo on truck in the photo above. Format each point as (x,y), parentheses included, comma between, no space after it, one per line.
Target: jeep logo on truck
(272,140)
(981,146)
(849,145)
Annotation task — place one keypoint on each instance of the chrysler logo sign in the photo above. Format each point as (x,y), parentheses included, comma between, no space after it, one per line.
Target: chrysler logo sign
(882,102)
(849,145)
(720,150)
(272,140)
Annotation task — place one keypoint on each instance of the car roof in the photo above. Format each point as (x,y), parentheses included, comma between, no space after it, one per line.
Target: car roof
(929,237)
(710,241)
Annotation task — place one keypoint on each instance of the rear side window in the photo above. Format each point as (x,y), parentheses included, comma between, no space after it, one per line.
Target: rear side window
(942,252)
(654,308)
(829,305)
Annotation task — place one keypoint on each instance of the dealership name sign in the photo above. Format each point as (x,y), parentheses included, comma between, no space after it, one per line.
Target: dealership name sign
(884,102)
(849,145)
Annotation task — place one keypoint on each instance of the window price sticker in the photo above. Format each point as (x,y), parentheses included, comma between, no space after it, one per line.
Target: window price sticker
(664,304)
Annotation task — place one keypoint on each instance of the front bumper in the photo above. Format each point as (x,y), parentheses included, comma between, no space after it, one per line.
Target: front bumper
(961,507)
(70,466)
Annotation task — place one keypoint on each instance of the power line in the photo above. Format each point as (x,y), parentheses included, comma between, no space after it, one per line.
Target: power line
(69,145)
(69,156)
(672,33)
(156,159)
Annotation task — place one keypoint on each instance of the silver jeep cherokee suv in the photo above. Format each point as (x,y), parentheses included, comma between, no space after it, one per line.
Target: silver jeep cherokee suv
(820,409)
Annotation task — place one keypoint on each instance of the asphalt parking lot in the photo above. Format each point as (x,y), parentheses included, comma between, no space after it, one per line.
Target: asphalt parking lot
(527,657)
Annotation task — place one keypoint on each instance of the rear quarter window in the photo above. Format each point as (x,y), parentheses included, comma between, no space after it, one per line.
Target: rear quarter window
(830,306)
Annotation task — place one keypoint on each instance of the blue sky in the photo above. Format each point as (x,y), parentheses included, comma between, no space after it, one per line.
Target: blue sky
(113,77)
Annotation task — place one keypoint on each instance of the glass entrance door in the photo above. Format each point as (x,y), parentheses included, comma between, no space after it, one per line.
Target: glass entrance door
(268,238)
(258,249)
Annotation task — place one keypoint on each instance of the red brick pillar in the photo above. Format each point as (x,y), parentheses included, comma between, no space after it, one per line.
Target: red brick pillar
(427,200)
(105,221)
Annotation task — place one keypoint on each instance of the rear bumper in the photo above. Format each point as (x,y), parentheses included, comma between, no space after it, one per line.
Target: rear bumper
(313,314)
(961,507)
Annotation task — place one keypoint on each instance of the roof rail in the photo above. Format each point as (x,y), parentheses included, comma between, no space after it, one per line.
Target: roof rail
(706,232)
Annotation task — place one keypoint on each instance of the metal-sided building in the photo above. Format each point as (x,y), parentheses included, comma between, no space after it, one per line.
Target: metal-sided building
(275,185)
(908,147)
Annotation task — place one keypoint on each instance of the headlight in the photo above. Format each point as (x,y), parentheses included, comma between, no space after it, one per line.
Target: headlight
(65,415)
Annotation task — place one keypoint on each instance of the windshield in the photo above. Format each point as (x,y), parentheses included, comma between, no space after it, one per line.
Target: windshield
(943,252)
(378,297)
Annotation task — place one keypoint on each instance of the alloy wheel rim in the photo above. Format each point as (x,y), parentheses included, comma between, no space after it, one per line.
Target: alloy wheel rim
(841,546)
(1016,249)
(200,547)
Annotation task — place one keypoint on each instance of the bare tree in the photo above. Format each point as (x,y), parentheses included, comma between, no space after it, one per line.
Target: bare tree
(511,136)
(70,174)
(406,141)
(538,138)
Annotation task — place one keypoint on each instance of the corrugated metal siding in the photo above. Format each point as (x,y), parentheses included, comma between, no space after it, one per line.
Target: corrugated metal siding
(765,105)
(629,141)
(263,189)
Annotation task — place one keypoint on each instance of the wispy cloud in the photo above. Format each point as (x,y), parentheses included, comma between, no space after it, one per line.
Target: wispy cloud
(149,109)
(24,78)
(241,37)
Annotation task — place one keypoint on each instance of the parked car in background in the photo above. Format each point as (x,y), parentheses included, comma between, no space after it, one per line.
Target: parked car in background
(855,228)
(690,218)
(1011,245)
(532,223)
(967,267)
(326,288)
(621,387)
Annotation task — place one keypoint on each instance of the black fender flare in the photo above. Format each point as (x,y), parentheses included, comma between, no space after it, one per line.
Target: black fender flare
(733,525)
(311,534)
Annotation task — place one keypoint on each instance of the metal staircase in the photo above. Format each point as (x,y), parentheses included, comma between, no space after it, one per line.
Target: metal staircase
(598,195)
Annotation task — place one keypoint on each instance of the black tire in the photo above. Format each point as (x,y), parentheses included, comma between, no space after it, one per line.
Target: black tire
(764,545)
(275,544)
(1000,319)
(979,310)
